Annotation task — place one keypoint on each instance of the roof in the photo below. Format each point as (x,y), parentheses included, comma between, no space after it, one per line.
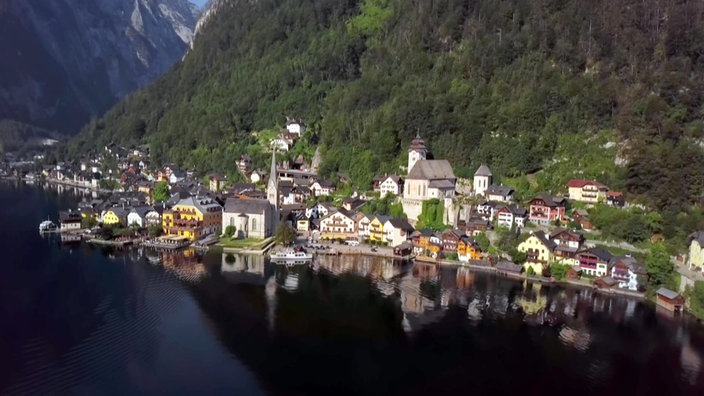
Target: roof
(609,281)
(394,178)
(69,216)
(431,170)
(550,201)
(508,266)
(667,293)
(499,190)
(441,184)
(631,263)
(579,183)
(417,144)
(614,194)
(697,236)
(600,253)
(237,205)
(142,210)
(401,224)
(544,239)
(203,204)
(483,171)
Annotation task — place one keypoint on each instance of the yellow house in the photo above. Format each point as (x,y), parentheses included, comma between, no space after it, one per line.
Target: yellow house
(696,250)
(468,249)
(193,217)
(148,190)
(115,216)
(538,248)
(376,228)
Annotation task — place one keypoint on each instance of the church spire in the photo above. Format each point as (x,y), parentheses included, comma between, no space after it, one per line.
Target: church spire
(272,188)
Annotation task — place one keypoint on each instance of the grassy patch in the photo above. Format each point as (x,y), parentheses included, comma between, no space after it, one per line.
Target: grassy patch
(247,243)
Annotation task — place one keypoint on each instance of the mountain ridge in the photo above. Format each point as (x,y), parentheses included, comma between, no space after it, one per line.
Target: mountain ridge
(72,59)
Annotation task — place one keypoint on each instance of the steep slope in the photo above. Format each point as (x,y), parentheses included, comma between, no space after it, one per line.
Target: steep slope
(494,81)
(65,60)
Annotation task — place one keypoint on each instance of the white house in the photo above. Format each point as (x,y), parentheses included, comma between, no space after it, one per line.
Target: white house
(486,210)
(252,218)
(391,185)
(322,187)
(628,272)
(293,126)
(483,178)
(363,222)
(319,210)
(69,220)
(397,231)
(511,215)
(336,225)
(499,193)
(138,216)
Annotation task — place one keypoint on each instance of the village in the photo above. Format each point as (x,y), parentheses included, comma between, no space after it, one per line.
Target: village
(440,218)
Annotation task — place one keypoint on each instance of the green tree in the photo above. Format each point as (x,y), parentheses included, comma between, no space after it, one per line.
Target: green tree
(696,299)
(559,271)
(88,222)
(483,241)
(154,230)
(161,191)
(230,231)
(518,257)
(659,266)
(285,234)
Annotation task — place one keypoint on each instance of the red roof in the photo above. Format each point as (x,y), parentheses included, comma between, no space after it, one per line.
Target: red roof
(579,183)
(613,194)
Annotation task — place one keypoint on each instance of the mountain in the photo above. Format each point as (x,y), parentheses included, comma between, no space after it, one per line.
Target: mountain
(510,83)
(67,60)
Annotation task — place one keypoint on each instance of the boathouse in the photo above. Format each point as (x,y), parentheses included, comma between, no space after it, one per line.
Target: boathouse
(669,299)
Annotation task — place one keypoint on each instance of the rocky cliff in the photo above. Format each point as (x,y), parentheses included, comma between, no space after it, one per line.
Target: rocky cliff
(67,60)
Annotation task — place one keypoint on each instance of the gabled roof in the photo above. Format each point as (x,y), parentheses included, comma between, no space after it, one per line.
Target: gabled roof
(394,178)
(441,184)
(400,224)
(508,266)
(579,183)
(483,171)
(543,238)
(251,206)
(431,170)
(630,262)
(550,200)
(697,236)
(667,293)
(499,190)
(600,253)
(141,210)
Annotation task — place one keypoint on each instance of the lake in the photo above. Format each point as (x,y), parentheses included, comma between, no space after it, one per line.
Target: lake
(89,321)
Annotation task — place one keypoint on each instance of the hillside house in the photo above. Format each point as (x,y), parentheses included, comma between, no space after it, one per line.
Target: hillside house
(589,191)
(538,249)
(545,209)
(628,272)
(594,261)
(510,216)
(499,193)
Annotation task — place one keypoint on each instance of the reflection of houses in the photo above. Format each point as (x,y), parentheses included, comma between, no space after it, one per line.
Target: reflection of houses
(252,218)
(546,209)
(243,264)
(186,264)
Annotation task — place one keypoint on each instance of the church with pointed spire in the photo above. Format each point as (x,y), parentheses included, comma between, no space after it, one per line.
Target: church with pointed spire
(272,187)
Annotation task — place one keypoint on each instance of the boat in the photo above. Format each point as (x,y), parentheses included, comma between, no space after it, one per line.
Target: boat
(290,254)
(47,226)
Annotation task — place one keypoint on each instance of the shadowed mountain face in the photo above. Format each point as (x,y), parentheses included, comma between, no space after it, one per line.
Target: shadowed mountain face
(66,60)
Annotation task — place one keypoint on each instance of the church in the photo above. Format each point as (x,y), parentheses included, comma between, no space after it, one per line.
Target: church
(427,179)
(255,218)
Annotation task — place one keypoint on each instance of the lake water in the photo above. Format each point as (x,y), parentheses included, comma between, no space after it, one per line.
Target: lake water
(91,321)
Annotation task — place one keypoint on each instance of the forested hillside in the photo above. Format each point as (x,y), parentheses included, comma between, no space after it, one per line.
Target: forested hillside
(494,81)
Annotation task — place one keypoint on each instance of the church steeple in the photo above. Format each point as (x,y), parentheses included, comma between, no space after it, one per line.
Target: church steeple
(417,151)
(272,188)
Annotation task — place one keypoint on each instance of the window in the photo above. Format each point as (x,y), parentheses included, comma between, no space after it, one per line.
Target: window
(232,221)
(254,224)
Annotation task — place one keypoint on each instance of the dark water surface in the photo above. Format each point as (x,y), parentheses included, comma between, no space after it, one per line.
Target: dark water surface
(92,321)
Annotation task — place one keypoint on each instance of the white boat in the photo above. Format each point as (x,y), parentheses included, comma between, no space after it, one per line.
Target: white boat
(290,254)
(47,226)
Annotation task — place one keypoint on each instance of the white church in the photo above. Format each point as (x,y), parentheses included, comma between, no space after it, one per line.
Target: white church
(427,179)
